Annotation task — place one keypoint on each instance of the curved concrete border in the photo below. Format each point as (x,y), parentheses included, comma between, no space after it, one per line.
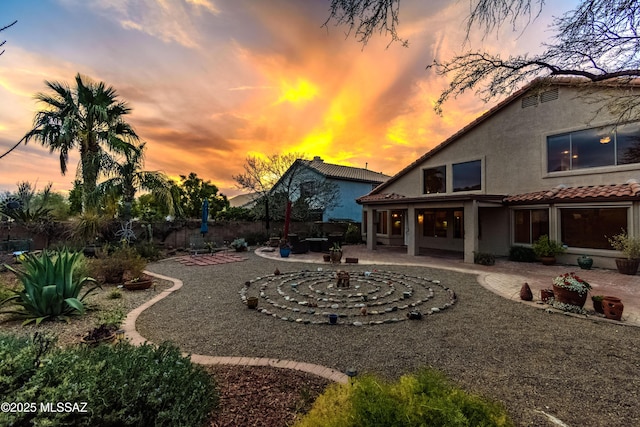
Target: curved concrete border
(134,337)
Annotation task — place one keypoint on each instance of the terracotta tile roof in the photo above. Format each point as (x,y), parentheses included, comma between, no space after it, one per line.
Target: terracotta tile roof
(627,191)
(346,172)
(381,196)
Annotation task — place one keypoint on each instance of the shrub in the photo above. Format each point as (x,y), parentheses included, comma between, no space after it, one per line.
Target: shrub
(352,234)
(426,398)
(148,251)
(544,247)
(484,258)
(50,287)
(121,385)
(521,254)
(117,262)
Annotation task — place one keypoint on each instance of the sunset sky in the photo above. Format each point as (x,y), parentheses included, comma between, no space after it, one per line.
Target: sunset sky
(212,81)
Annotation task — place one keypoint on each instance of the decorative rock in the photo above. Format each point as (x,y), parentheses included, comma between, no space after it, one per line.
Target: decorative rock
(435,310)
(525,293)
(276,272)
(357,323)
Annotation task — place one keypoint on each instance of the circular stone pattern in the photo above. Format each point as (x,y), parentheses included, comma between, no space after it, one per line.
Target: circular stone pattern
(371,298)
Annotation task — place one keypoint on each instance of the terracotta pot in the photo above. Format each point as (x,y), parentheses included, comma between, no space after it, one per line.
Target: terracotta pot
(569,297)
(627,266)
(326,258)
(336,256)
(612,308)
(252,302)
(546,294)
(548,260)
(144,282)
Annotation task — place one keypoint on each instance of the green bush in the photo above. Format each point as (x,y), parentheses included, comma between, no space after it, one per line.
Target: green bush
(50,286)
(121,385)
(521,254)
(423,399)
(148,251)
(352,235)
(484,258)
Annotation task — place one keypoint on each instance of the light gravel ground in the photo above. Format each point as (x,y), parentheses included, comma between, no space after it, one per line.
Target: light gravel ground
(582,372)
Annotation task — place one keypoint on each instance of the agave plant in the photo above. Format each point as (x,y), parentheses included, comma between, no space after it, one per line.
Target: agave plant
(50,288)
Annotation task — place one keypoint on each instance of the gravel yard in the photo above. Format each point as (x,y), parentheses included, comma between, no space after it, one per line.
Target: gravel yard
(582,372)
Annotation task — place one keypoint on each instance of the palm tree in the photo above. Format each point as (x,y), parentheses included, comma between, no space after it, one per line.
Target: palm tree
(127,178)
(88,118)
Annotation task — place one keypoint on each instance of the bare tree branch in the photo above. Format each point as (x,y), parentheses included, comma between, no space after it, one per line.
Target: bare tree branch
(1,30)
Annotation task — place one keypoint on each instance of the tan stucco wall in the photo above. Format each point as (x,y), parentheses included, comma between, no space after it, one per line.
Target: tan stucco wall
(512,147)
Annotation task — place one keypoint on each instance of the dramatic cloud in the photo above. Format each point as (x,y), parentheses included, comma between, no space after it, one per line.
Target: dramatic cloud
(211,82)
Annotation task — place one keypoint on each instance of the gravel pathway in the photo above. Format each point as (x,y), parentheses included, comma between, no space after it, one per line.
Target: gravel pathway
(582,372)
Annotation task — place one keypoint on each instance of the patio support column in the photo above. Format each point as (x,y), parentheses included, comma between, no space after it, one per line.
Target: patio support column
(470,229)
(412,221)
(371,228)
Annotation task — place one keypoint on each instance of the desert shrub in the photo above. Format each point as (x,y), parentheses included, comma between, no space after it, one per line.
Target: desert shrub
(522,254)
(352,235)
(148,251)
(424,399)
(484,258)
(121,385)
(116,262)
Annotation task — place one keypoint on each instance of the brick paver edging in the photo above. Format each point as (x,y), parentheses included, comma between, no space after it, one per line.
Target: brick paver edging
(134,337)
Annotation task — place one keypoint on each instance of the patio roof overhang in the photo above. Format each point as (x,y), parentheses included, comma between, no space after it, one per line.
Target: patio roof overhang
(395,199)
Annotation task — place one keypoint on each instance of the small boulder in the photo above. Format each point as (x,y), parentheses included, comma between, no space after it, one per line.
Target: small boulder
(525,293)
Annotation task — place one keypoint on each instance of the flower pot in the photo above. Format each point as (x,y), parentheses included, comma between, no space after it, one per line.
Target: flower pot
(597,306)
(612,308)
(252,302)
(585,262)
(627,266)
(143,282)
(326,258)
(285,252)
(336,256)
(546,294)
(333,319)
(567,296)
(548,260)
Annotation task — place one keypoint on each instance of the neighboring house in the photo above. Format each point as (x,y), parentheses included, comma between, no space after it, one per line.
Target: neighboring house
(247,201)
(543,161)
(306,175)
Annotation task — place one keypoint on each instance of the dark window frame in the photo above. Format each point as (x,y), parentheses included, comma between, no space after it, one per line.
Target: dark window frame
(428,184)
(462,176)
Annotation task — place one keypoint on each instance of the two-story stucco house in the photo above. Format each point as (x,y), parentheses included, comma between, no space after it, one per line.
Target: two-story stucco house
(350,182)
(543,161)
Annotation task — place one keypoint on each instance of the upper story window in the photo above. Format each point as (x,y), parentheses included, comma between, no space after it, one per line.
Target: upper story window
(595,147)
(467,176)
(435,180)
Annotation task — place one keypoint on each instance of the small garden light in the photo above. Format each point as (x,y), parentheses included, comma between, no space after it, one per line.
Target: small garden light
(351,373)
(120,335)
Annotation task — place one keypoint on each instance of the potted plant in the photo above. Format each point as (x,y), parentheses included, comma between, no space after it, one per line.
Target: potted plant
(547,249)
(285,248)
(630,248)
(239,245)
(335,253)
(597,303)
(585,262)
(570,289)
(143,281)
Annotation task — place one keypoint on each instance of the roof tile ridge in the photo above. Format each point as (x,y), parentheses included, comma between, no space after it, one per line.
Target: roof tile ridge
(555,190)
(634,185)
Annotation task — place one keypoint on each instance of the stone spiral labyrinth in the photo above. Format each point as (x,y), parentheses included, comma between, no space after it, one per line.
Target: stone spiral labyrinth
(367,298)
